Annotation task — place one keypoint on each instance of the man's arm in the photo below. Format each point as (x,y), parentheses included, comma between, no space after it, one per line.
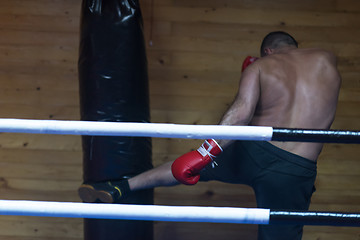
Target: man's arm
(186,169)
(243,107)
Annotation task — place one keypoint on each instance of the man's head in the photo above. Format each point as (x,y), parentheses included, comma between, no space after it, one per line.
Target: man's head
(276,40)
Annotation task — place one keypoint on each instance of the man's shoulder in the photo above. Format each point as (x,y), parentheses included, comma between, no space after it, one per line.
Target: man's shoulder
(318,52)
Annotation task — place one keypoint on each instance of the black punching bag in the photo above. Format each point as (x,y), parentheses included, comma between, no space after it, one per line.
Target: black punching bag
(114,87)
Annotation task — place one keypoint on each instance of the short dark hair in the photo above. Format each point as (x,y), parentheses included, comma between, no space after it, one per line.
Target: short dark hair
(277,39)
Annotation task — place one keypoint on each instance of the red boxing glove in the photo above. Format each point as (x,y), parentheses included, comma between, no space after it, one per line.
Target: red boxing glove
(186,169)
(248,60)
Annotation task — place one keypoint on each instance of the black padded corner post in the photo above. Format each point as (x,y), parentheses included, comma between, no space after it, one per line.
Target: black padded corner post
(114,87)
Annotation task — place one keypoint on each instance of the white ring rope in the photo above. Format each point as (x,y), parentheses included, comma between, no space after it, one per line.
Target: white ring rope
(160,130)
(176,213)
(135,212)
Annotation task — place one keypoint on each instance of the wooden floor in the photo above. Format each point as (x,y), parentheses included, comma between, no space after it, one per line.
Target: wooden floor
(197,49)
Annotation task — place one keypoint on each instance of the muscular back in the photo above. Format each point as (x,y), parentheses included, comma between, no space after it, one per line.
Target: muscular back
(298,89)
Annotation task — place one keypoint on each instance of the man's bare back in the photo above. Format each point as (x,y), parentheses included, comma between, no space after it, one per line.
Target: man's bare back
(299,89)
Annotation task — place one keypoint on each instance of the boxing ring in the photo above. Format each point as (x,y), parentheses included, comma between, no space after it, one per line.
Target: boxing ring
(176,213)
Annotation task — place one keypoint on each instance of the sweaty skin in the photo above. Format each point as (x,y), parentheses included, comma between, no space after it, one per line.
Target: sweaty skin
(288,88)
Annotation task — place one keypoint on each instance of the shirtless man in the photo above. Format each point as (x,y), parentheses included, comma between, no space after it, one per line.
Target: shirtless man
(286,88)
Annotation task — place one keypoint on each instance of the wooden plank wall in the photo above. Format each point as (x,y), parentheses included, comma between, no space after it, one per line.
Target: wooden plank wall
(194,67)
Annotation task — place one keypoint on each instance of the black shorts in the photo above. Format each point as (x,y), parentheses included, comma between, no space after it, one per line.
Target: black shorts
(280,179)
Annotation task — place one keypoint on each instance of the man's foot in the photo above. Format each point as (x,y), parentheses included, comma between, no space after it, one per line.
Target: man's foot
(106,192)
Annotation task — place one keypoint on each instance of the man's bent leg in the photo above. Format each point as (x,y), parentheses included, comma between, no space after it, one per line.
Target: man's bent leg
(115,191)
(276,190)
(274,195)
(284,181)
